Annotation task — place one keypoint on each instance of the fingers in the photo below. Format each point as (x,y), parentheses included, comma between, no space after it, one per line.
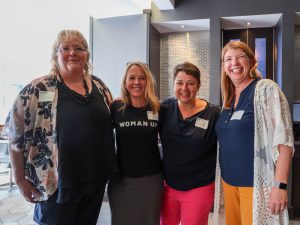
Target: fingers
(278,200)
(35,196)
(273,207)
(32,196)
(277,207)
(29,198)
(29,192)
(280,208)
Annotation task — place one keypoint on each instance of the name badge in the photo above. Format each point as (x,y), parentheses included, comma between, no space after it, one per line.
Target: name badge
(201,123)
(46,96)
(237,115)
(152,116)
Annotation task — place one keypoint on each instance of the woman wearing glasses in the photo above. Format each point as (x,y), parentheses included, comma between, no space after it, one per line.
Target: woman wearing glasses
(256,143)
(136,197)
(61,137)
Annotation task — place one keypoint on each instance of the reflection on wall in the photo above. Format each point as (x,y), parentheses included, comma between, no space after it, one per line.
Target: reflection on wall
(260,55)
(181,47)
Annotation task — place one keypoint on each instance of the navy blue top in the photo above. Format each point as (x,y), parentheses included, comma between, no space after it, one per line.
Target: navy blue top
(235,131)
(189,146)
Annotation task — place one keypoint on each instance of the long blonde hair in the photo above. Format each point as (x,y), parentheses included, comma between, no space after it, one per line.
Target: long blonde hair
(149,91)
(65,35)
(227,87)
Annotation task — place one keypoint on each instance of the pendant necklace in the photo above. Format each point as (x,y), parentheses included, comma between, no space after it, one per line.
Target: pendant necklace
(78,98)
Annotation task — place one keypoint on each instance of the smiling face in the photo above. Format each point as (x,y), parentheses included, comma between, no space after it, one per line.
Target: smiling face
(237,65)
(185,87)
(71,56)
(136,82)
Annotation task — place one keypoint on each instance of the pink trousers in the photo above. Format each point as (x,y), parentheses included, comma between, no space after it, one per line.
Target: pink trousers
(187,207)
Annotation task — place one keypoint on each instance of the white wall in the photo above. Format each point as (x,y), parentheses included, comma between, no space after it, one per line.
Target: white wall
(28,29)
(125,40)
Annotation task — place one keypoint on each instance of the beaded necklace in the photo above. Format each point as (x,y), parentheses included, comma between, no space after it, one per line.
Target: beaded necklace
(76,97)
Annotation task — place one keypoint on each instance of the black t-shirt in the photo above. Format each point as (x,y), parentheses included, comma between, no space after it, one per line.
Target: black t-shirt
(86,150)
(189,146)
(137,140)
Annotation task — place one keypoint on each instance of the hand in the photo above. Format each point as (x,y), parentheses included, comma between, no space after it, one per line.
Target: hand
(28,191)
(278,200)
(117,99)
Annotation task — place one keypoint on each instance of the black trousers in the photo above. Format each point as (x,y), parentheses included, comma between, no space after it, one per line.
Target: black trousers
(84,210)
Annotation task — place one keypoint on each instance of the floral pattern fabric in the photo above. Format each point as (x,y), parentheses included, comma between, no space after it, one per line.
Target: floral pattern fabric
(31,128)
(273,126)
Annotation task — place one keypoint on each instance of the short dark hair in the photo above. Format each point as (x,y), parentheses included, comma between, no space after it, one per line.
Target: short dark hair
(188,68)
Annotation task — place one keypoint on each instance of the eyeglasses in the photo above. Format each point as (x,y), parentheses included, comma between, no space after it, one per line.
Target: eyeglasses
(237,58)
(67,49)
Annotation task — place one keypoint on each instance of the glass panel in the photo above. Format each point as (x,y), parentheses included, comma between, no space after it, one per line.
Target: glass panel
(296,112)
(260,54)
(8,92)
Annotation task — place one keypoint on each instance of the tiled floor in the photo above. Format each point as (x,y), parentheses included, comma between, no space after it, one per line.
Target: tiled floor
(14,210)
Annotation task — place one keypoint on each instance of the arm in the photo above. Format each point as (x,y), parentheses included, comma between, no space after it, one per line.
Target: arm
(25,187)
(279,197)
(15,130)
(281,136)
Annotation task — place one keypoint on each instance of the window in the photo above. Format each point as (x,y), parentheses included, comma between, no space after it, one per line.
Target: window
(260,55)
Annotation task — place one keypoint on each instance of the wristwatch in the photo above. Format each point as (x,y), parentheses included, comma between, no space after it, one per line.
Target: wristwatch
(280,185)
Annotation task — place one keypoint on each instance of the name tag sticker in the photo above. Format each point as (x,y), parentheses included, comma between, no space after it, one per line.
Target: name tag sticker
(237,115)
(46,96)
(202,123)
(152,116)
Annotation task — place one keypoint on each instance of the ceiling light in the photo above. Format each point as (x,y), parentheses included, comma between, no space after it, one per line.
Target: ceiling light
(248,23)
(182,26)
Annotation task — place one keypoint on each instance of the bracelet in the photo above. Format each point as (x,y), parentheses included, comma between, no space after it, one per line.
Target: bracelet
(280,185)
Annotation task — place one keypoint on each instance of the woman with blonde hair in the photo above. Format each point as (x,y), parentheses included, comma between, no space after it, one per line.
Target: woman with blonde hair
(255,143)
(61,137)
(136,198)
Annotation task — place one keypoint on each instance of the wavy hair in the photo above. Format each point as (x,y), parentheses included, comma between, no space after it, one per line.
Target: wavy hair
(227,87)
(149,91)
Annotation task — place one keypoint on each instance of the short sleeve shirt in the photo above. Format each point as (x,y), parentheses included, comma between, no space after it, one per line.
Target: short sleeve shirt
(137,140)
(189,146)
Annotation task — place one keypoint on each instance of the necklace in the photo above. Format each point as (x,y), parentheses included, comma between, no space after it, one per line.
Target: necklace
(78,98)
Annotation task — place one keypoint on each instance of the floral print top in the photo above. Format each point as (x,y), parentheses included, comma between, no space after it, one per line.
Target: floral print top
(31,128)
